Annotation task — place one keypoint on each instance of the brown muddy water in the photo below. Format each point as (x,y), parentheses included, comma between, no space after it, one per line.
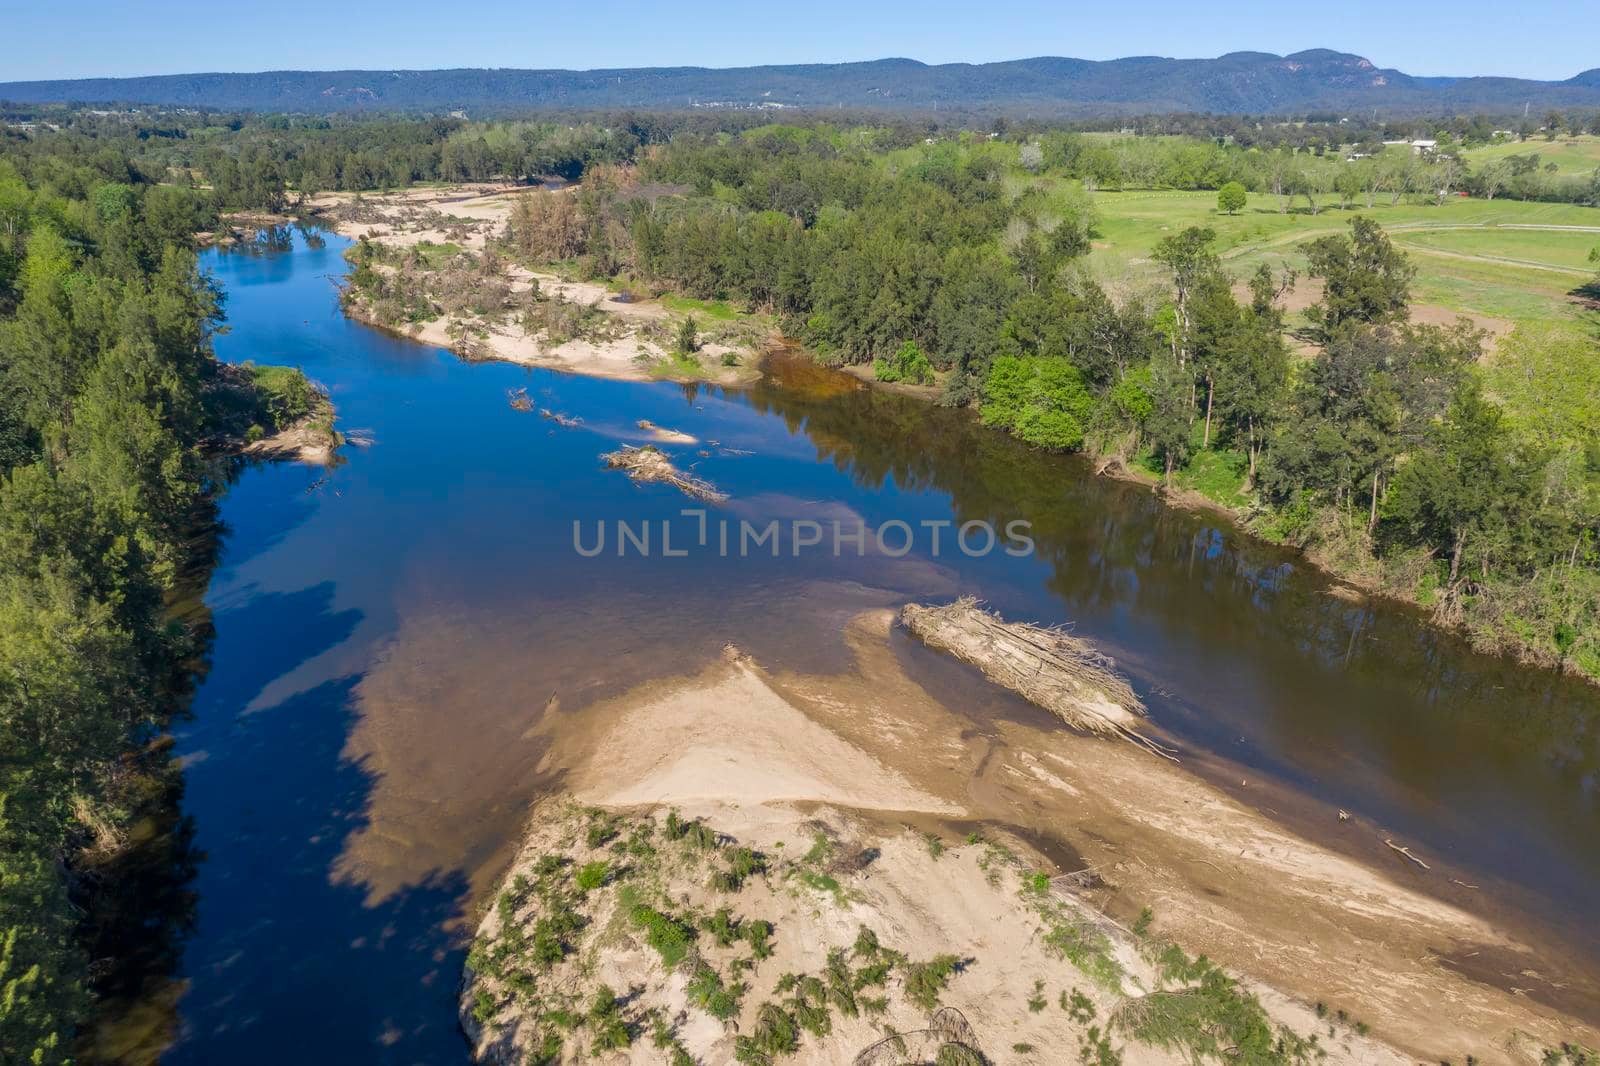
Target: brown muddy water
(389,631)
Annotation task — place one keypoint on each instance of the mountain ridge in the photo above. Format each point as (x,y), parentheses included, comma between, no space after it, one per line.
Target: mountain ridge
(1235,83)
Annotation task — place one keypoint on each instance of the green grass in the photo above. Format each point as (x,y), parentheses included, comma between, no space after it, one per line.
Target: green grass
(1461,248)
(1555,251)
(434,255)
(1218,475)
(283,395)
(677,364)
(719,310)
(1571,155)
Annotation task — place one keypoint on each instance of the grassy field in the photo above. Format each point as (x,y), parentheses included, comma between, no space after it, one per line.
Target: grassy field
(715,310)
(1469,257)
(1571,155)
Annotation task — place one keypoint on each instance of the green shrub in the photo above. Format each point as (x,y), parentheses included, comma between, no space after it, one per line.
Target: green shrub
(593,875)
(723,927)
(668,936)
(758,934)
(926,980)
(774,1034)
(909,365)
(610,1030)
(720,1000)
(284,393)
(687,340)
(1043,400)
(742,863)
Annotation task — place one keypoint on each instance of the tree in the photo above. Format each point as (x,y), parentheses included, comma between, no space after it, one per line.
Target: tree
(1189,257)
(1461,486)
(687,340)
(1365,277)
(1167,426)
(1043,400)
(1493,177)
(908,364)
(1231,198)
(1282,175)
(1315,180)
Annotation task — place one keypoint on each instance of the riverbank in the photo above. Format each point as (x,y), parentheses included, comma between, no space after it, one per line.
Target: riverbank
(871,758)
(435,272)
(400,639)
(632,340)
(271,412)
(1407,991)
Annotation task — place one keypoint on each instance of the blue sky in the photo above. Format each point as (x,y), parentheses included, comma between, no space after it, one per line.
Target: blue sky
(1535,38)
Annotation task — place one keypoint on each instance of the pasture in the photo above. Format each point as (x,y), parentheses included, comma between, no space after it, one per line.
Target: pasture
(1496,259)
(1571,155)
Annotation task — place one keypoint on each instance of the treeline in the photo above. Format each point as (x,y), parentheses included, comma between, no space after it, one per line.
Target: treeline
(1382,454)
(268,162)
(105,360)
(271,161)
(1328,129)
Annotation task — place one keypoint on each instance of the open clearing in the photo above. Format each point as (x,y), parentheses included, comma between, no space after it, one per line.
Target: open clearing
(1571,155)
(1493,259)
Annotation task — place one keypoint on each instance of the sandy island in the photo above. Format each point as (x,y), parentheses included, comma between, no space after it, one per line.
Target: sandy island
(467,216)
(879,766)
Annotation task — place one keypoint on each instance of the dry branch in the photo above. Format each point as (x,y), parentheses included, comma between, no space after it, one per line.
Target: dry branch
(1407,853)
(1048,667)
(647,463)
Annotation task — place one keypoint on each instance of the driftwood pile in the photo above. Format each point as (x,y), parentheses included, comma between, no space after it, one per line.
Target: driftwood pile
(648,463)
(564,421)
(1047,667)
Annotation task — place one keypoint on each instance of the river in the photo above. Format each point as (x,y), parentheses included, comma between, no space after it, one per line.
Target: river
(388,629)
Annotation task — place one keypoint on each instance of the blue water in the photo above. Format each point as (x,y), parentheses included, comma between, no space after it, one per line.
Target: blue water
(387,629)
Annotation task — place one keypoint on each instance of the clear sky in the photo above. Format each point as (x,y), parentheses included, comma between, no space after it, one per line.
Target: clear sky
(1552,39)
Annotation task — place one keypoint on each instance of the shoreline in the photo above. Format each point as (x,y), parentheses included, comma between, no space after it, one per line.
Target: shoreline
(1183,889)
(758,753)
(635,353)
(486,205)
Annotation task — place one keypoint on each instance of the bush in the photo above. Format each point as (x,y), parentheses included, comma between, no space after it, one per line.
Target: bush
(926,980)
(742,864)
(775,1034)
(721,1001)
(670,937)
(284,394)
(610,1030)
(594,875)
(1043,400)
(909,364)
(758,934)
(687,340)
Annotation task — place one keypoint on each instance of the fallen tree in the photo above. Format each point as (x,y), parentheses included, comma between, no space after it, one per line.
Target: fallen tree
(649,463)
(1048,667)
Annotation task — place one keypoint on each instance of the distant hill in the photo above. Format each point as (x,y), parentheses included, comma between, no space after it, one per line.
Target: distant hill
(1241,82)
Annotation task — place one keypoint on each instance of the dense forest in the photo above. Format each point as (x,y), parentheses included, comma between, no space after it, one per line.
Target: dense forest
(108,392)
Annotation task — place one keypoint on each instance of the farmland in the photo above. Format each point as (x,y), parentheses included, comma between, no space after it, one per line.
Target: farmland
(1499,259)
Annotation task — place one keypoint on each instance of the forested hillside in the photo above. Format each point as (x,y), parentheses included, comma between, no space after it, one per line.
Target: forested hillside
(1051,85)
